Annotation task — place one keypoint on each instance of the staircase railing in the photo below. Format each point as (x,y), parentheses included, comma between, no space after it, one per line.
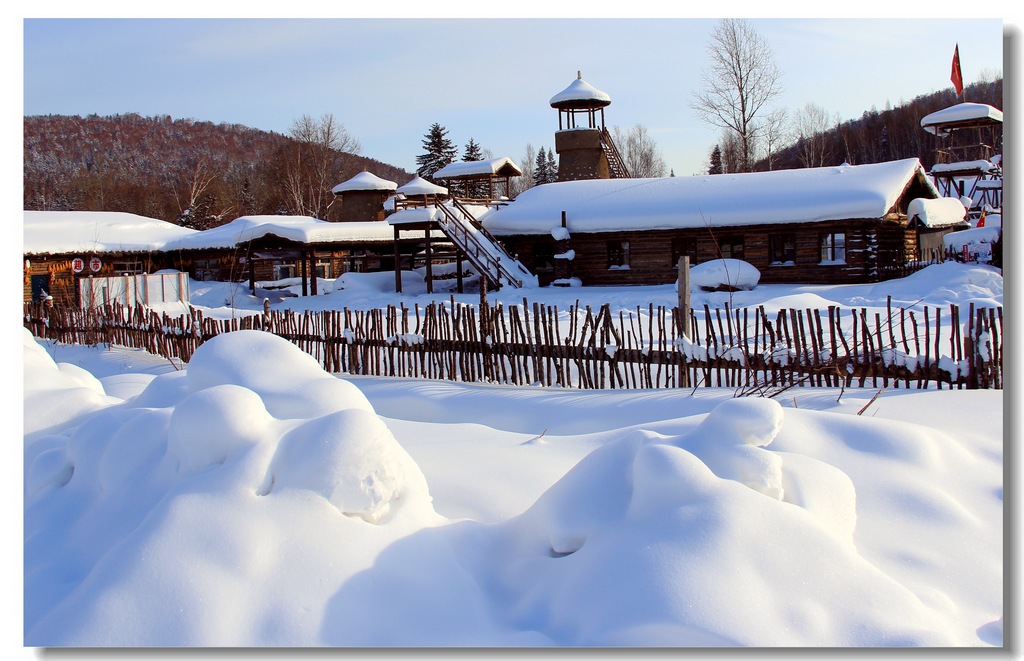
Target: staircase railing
(615,162)
(482,249)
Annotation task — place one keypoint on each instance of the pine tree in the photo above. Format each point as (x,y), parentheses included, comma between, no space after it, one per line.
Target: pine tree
(552,167)
(474,188)
(540,168)
(472,152)
(716,161)
(440,151)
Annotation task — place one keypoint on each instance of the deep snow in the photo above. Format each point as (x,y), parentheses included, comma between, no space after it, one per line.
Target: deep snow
(250,499)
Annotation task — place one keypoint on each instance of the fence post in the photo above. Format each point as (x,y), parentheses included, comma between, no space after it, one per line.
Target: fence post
(683,317)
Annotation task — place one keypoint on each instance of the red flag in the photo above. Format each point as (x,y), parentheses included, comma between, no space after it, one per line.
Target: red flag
(956,76)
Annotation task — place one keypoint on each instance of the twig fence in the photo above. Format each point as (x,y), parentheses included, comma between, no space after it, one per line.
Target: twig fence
(748,349)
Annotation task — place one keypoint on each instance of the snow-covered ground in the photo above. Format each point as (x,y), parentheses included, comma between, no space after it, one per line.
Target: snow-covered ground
(251,499)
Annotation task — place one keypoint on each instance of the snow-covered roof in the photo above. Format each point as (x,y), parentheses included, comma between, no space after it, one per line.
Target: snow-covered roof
(55,232)
(364,181)
(413,215)
(579,92)
(978,166)
(470,168)
(420,186)
(302,229)
(722,200)
(964,114)
(938,212)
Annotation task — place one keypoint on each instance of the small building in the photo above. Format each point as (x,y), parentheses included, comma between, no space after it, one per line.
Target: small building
(819,225)
(62,247)
(968,160)
(275,248)
(363,196)
(481,182)
(584,146)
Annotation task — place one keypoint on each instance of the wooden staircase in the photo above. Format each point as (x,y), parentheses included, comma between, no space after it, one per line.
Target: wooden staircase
(480,247)
(615,163)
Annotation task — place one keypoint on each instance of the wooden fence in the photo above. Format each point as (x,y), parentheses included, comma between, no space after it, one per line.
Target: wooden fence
(748,349)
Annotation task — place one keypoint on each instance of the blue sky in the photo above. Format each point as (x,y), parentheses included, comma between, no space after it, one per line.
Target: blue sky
(388,80)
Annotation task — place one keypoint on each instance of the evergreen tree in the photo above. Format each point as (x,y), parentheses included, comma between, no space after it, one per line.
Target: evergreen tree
(716,161)
(472,152)
(475,189)
(886,150)
(541,175)
(552,166)
(440,151)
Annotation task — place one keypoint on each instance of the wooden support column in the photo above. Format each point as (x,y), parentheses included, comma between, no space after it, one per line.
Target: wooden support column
(398,263)
(305,288)
(429,257)
(458,271)
(312,266)
(252,271)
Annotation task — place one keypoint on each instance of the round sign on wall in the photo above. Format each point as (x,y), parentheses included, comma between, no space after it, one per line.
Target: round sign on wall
(77,264)
(95,264)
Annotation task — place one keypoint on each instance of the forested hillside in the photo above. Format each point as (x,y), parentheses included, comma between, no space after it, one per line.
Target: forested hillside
(889,134)
(197,173)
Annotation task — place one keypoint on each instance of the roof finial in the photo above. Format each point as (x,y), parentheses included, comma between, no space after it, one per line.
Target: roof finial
(579,76)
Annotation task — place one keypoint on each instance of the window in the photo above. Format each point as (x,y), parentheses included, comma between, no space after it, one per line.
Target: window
(731,247)
(833,248)
(618,255)
(323,268)
(543,257)
(684,247)
(782,249)
(128,268)
(283,271)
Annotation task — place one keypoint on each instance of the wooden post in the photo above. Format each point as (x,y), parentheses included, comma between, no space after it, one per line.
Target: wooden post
(458,270)
(312,268)
(252,272)
(305,289)
(398,264)
(683,318)
(430,258)
(684,296)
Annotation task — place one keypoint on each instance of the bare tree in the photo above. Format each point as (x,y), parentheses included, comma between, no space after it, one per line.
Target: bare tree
(732,152)
(811,125)
(642,157)
(742,78)
(526,165)
(775,132)
(314,163)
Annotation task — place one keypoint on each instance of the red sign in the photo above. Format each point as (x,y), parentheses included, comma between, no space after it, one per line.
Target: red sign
(77,264)
(95,264)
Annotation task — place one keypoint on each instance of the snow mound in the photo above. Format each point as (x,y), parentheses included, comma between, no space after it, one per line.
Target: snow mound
(289,381)
(204,489)
(727,274)
(671,515)
(56,393)
(351,459)
(730,441)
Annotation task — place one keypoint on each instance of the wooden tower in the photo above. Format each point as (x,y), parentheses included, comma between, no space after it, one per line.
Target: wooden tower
(584,146)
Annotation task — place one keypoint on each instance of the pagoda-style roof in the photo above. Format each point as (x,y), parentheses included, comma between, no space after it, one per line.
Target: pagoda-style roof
(420,186)
(495,167)
(580,95)
(961,116)
(364,181)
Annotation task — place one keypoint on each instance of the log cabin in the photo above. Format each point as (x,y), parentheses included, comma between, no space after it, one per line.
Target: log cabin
(829,225)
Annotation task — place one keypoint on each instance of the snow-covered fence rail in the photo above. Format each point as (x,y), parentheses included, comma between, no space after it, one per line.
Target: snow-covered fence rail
(750,350)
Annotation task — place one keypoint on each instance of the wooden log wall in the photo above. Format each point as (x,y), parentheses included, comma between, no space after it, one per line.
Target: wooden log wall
(746,349)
